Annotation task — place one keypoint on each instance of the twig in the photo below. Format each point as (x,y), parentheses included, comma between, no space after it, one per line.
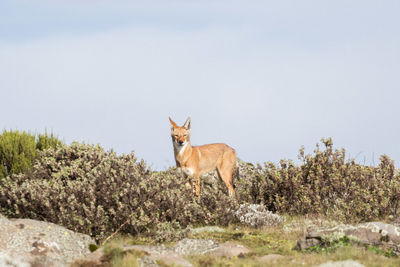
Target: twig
(113,234)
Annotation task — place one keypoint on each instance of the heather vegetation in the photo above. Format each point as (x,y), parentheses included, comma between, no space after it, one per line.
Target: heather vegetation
(325,183)
(98,192)
(93,191)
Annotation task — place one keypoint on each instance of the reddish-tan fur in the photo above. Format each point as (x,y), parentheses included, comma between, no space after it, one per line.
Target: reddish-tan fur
(198,160)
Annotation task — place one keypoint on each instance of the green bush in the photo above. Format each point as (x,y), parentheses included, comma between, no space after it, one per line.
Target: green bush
(96,192)
(18,150)
(325,183)
(45,141)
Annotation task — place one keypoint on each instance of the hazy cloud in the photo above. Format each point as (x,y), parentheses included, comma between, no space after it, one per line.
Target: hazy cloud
(265,78)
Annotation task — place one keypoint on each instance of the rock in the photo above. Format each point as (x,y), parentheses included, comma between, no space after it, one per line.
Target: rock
(189,246)
(372,233)
(207,229)
(229,249)
(346,263)
(8,261)
(270,258)
(172,255)
(4,221)
(255,215)
(147,262)
(307,242)
(40,243)
(169,256)
(309,224)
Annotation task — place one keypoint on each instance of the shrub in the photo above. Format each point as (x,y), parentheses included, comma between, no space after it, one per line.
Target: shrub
(89,190)
(45,141)
(18,150)
(97,192)
(325,183)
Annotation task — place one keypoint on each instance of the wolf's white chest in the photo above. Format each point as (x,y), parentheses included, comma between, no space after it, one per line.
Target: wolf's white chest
(180,149)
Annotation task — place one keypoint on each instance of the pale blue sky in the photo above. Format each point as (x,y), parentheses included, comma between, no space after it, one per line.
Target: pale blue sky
(266,77)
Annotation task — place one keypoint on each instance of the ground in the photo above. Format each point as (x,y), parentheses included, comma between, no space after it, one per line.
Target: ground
(269,246)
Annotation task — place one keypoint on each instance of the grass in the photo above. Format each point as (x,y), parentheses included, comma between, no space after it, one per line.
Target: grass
(117,256)
(260,242)
(127,260)
(368,257)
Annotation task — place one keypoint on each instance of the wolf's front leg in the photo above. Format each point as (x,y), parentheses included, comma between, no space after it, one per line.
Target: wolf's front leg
(197,185)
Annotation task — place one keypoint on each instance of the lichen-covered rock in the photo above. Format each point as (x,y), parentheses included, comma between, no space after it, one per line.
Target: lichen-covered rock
(372,233)
(188,246)
(10,261)
(40,243)
(229,249)
(256,215)
(207,229)
(346,263)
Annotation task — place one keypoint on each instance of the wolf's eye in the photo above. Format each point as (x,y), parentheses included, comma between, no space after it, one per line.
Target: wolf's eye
(185,135)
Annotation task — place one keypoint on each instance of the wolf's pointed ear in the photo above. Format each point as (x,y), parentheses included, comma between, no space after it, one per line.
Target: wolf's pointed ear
(187,124)
(172,123)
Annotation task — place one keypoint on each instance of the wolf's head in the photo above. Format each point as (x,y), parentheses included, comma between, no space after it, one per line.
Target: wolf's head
(180,134)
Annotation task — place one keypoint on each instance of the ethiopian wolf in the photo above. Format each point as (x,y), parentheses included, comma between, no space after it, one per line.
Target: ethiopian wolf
(198,160)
